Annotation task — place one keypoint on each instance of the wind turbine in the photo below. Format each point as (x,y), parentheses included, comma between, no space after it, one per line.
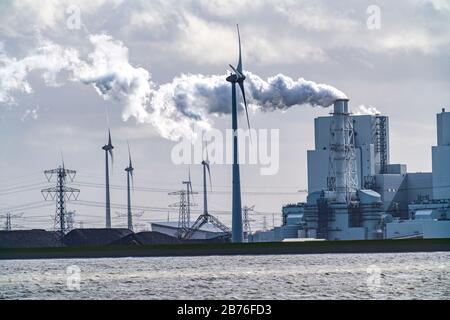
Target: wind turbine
(129,171)
(205,164)
(108,150)
(237,78)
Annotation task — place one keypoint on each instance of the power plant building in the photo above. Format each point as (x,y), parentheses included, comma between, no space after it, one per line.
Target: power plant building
(355,192)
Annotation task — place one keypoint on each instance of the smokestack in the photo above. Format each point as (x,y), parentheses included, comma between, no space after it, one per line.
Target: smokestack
(343,159)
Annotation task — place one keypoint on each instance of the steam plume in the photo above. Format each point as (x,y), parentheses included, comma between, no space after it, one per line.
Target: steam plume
(171,108)
(363,110)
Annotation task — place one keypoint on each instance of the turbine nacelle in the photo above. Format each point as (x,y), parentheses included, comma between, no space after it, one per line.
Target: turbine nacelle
(205,163)
(239,75)
(109,147)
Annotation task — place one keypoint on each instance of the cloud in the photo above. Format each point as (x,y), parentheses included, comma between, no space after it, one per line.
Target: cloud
(30,113)
(316,18)
(440,5)
(285,32)
(49,58)
(24,16)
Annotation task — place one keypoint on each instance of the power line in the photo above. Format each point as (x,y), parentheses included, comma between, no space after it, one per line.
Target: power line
(161,190)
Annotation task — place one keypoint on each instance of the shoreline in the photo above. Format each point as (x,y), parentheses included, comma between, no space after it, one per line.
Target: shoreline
(223,249)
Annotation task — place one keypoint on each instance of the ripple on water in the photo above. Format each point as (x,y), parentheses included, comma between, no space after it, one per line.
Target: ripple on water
(327,276)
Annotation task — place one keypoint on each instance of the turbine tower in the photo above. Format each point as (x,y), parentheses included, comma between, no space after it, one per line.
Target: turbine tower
(237,78)
(108,150)
(129,171)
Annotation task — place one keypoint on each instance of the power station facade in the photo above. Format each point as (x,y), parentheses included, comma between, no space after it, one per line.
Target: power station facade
(356,193)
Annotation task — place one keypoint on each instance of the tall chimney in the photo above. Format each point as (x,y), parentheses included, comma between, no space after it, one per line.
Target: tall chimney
(343,157)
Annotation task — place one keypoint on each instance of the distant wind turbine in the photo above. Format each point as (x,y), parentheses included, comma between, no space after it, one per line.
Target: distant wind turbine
(205,164)
(129,171)
(108,150)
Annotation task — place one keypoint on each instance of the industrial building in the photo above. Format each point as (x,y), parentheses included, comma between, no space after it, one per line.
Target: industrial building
(355,192)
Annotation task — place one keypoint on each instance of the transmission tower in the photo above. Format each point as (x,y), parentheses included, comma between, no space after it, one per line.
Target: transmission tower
(126,215)
(61,193)
(246,220)
(264,223)
(8,220)
(183,211)
(70,220)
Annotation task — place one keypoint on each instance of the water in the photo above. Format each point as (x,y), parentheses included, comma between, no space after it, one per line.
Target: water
(326,276)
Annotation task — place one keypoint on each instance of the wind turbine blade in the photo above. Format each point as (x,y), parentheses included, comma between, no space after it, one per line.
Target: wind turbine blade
(132,180)
(107,115)
(62,159)
(241,85)
(112,157)
(239,66)
(209,174)
(239,74)
(129,155)
(190,182)
(206,150)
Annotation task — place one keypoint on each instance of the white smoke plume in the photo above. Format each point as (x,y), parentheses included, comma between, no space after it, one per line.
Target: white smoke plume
(363,110)
(172,108)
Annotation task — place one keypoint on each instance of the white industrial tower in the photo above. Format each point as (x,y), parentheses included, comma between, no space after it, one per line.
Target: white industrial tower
(342,177)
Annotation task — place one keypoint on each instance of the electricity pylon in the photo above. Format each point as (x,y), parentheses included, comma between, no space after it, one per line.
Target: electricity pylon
(61,193)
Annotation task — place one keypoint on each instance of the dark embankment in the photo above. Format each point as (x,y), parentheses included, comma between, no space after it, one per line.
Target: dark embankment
(204,249)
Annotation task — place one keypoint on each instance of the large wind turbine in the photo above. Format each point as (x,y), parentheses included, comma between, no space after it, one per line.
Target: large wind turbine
(129,171)
(237,77)
(108,150)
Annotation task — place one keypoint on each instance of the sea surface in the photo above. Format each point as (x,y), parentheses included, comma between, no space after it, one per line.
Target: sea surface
(321,276)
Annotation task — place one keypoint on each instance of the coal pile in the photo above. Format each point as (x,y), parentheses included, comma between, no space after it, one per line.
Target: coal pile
(147,237)
(36,238)
(94,237)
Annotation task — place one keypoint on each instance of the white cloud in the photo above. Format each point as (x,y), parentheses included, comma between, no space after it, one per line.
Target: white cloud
(315,17)
(30,113)
(206,42)
(440,5)
(406,41)
(24,16)
(48,58)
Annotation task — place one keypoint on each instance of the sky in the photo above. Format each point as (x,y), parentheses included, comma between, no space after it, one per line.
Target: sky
(150,70)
